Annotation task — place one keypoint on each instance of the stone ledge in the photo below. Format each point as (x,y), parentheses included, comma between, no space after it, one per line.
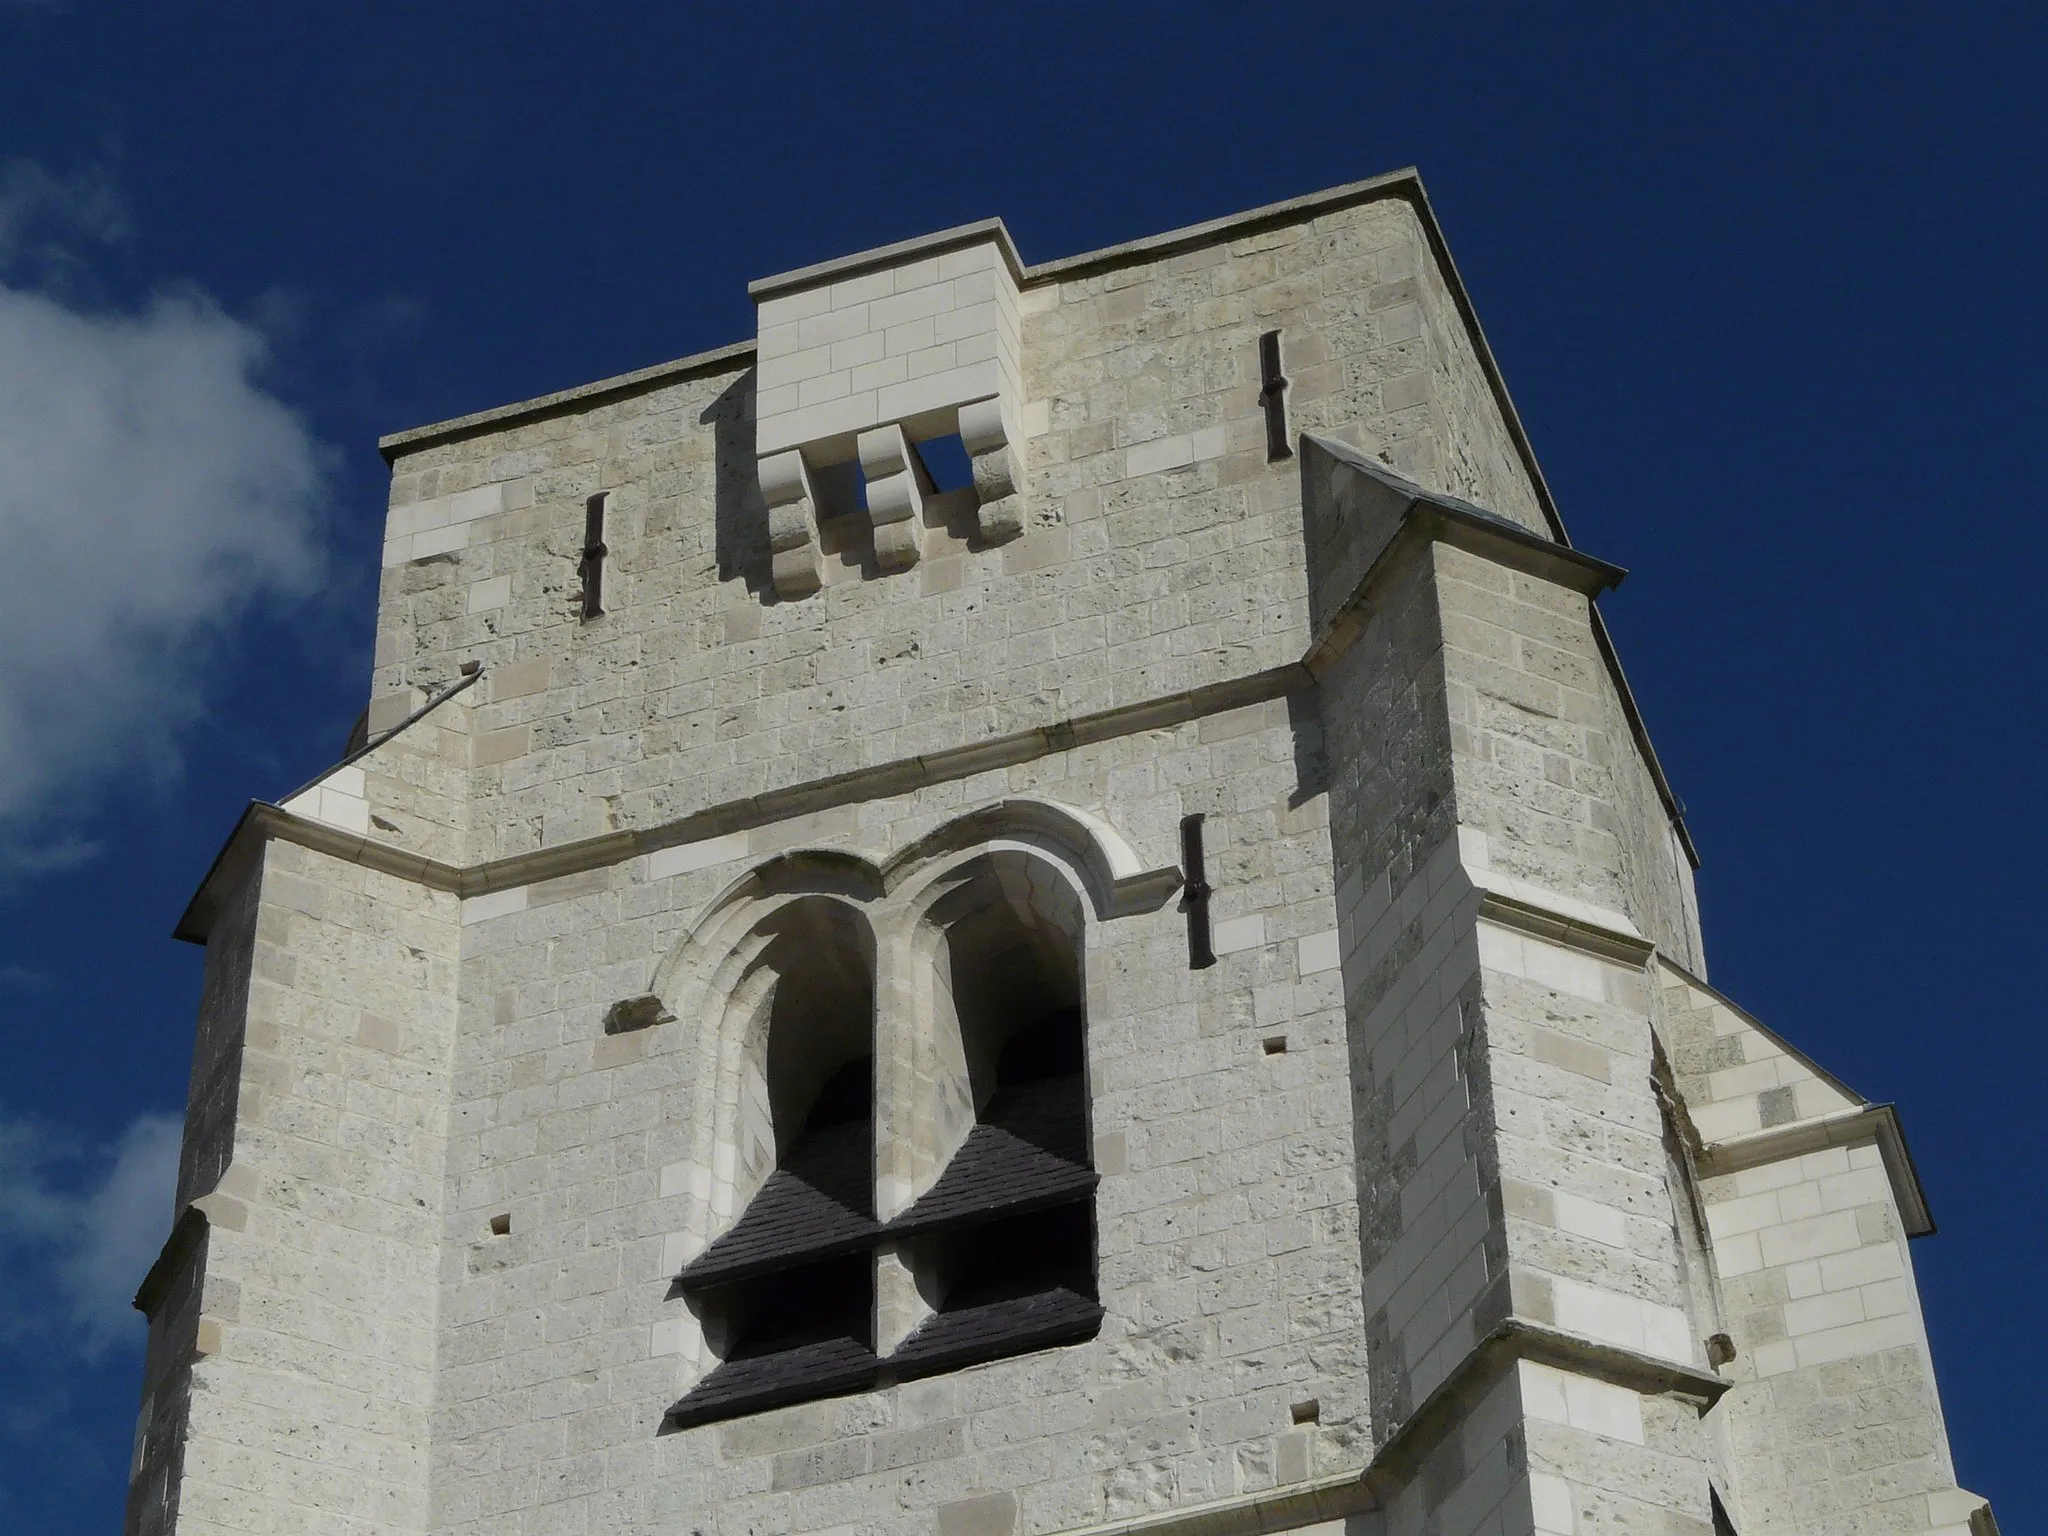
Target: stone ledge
(1870,1122)
(896,254)
(1402,1454)
(595,392)
(1489,536)
(187,1232)
(1526,911)
(262,820)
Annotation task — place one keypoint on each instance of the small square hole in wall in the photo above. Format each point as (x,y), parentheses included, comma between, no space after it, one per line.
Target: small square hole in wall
(501,1225)
(1309,1411)
(1275,1045)
(945,460)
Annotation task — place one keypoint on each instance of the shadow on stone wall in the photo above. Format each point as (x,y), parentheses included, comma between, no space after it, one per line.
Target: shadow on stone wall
(741,515)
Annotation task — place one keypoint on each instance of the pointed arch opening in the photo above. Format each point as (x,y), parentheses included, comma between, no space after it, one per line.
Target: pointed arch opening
(999,1242)
(785,1294)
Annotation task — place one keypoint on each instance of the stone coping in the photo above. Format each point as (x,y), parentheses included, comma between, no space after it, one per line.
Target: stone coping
(1702,984)
(731,356)
(1405,183)
(262,820)
(937,243)
(1845,1128)
(377,739)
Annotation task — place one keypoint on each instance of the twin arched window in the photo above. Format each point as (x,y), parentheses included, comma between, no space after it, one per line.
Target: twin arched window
(903,1142)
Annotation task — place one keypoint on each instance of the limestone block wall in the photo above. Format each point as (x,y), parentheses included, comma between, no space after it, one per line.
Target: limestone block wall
(1408,974)
(1546,768)
(1591,1216)
(1737,1077)
(216,1087)
(1528,1186)
(906,335)
(1226,1216)
(1513,1165)
(409,788)
(1838,1418)
(1476,1477)
(156,1471)
(317,1334)
(1810,1200)
(1162,550)
(1431,1207)
(173,1294)
(1474,449)
(1604,1460)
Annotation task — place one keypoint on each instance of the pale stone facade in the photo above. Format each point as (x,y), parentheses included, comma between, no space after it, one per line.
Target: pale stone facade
(1450,1199)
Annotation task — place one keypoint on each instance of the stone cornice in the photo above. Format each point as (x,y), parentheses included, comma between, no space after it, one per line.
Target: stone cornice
(186,1234)
(980,232)
(263,821)
(734,357)
(1846,1128)
(1550,922)
(1427,517)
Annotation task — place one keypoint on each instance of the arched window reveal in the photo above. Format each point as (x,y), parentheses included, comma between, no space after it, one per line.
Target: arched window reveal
(1002,1244)
(786,1294)
(903,1192)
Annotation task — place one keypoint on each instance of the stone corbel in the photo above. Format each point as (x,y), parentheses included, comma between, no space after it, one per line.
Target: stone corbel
(997,459)
(792,523)
(896,493)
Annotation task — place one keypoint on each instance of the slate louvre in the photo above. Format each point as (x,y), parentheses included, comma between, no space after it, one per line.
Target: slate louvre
(1015,1281)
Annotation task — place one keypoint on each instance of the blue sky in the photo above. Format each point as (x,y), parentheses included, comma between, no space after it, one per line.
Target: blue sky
(1765,281)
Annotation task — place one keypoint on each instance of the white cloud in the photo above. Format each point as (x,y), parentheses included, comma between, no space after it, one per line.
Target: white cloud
(151,493)
(121,1227)
(79,1229)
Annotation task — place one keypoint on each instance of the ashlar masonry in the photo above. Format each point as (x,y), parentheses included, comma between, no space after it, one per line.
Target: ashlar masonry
(1033,903)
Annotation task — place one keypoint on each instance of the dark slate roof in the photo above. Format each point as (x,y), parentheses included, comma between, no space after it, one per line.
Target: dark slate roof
(818,1204)
(1029,1151)
(1005,1327)
(752,1383)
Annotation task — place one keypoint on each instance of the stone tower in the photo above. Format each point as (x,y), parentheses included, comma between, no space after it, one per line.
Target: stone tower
(1032,903)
